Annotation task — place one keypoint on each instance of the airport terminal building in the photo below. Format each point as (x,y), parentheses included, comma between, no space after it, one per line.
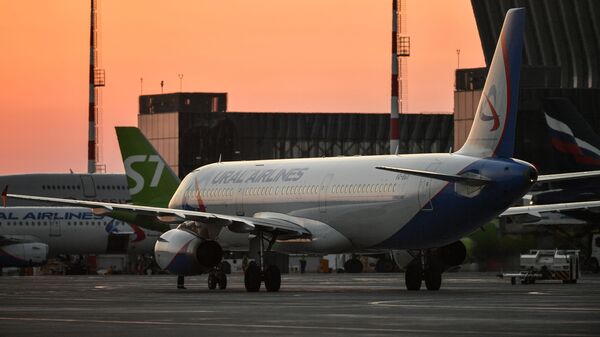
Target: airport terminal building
(195,129)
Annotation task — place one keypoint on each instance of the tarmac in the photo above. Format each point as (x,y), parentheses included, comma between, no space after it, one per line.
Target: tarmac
(469,304)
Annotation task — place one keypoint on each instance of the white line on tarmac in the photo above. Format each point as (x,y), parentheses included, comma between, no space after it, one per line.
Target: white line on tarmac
(262,326)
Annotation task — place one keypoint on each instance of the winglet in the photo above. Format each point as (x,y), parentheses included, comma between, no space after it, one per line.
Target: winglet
(4,193)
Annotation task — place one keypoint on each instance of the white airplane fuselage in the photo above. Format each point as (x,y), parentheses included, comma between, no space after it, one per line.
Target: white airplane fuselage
(71,230)
(100,187)
(338,197)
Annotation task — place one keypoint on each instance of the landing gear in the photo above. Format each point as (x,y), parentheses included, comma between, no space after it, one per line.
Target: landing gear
(217,277)
(413,277)
(425,267)
(272,278)
(252,277)
(433,278)
(256,273)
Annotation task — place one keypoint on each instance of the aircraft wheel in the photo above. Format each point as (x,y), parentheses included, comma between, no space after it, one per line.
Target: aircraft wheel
(433,279)
(413,277)
(252,277)
(212,281)
(272,277)
(222,280)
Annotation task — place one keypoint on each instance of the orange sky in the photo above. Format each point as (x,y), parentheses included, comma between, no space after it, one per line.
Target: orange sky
(269,55)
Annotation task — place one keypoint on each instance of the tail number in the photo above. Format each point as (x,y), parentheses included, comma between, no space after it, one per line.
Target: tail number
(139,178)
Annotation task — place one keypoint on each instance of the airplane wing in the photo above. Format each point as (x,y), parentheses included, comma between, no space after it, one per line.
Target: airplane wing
(237,224)
(536,209)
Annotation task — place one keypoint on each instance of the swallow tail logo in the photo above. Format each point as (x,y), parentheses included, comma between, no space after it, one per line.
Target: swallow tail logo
(493,116)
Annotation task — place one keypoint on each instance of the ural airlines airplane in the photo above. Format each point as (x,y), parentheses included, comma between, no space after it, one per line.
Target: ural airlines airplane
(29,235)
(423,202)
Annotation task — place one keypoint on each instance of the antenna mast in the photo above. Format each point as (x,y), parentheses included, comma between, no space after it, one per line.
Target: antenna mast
(400,51)
(96,80)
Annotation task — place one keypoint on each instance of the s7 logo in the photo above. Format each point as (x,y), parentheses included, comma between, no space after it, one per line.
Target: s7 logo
(139,178)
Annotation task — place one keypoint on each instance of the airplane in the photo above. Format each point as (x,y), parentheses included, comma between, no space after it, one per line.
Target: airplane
(575,147)
(30,235)
(419,202)
(99,187)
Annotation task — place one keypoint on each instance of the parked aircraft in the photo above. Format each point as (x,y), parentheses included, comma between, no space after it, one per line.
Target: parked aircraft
(29,235)
(576,147)
(99,187)
(424,202)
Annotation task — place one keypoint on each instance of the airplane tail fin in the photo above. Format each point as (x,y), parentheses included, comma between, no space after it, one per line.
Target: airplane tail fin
(150,180)
(494,123)
(575,144)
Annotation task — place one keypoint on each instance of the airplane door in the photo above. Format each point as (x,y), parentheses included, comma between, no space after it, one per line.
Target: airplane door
(89,188)
(324,192)
(239,202)
(425,189)
(55,228)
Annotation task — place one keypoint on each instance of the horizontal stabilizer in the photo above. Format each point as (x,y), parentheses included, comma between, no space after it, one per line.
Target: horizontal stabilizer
(568,176)
(463,179)
(536,209)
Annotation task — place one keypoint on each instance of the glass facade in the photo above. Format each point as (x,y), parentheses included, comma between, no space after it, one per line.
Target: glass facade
(162,130)
(189,133)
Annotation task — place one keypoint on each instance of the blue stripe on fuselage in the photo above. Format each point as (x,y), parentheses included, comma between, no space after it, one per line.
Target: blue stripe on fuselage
(8,260)
(454,216)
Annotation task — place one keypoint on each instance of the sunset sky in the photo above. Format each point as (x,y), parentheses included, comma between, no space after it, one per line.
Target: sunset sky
(268,55)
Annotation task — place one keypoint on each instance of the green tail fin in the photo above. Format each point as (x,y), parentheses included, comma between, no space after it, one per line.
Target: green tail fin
(150,180)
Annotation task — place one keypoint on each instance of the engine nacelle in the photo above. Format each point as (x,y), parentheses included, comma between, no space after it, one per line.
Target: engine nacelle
(23,254)
(183,253)
(453,254)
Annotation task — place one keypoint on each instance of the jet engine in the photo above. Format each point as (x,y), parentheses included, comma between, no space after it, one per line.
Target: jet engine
(183,252)
(452,254)
(23,254)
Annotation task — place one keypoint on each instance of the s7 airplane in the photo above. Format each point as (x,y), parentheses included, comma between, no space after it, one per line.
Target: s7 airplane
(422,202)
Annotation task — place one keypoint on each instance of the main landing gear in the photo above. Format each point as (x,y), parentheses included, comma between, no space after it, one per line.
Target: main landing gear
(253,277)
(424,267)
(255,272)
